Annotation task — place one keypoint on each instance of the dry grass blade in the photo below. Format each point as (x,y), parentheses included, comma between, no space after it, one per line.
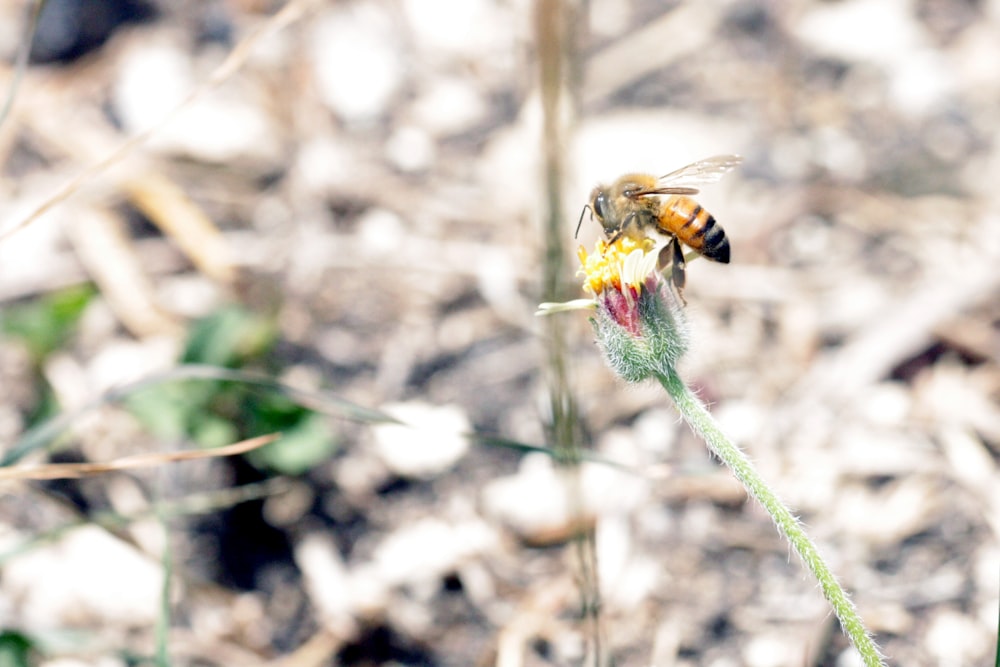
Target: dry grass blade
(109,257)
(71,470)
(170,209)
(291,12)
(905,327)
(318,401)
(663,41)
(42,434)
(33,11)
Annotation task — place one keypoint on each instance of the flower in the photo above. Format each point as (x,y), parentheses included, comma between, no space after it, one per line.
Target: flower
(638,319)
(624,262)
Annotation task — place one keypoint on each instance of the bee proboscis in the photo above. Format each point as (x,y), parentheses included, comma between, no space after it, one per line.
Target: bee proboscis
(637,204)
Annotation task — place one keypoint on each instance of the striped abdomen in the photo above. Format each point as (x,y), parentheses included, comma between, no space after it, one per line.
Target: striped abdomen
(694,227)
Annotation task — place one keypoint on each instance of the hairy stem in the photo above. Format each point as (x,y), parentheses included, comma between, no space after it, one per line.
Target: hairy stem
(700,420)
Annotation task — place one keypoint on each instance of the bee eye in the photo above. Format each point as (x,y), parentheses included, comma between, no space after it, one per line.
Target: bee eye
(601,206)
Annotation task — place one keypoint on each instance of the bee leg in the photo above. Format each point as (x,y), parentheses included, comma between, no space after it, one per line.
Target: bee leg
(678,265)
(630,219)
(677,269)
(666,257)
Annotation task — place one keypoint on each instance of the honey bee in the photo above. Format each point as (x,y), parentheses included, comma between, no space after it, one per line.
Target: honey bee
(637,204)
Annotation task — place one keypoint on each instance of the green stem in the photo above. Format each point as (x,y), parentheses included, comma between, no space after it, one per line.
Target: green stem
(700,420)
(162,658)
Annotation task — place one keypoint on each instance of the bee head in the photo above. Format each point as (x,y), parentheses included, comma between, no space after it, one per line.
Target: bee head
(600,202)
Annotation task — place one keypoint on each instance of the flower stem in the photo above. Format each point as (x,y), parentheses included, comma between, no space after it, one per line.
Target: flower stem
(701,422)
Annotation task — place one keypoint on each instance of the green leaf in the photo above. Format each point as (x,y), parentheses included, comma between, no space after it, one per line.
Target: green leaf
(15,649)
(210,431)
(231,337)
(46,323)
(303,445)
(168,409)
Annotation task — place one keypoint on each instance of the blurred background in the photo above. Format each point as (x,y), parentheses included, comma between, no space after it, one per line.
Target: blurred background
(364,201)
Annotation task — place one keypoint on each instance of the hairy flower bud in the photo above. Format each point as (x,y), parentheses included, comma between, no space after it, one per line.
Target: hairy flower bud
(638,320)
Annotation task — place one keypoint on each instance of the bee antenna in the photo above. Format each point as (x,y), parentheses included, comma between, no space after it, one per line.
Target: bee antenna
(580,221)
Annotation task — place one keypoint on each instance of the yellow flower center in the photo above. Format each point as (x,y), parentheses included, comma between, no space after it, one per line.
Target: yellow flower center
(626,261)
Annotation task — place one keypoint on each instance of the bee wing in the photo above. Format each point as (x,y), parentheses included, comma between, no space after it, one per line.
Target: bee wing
(684,180)
(662,191)
(701,172)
